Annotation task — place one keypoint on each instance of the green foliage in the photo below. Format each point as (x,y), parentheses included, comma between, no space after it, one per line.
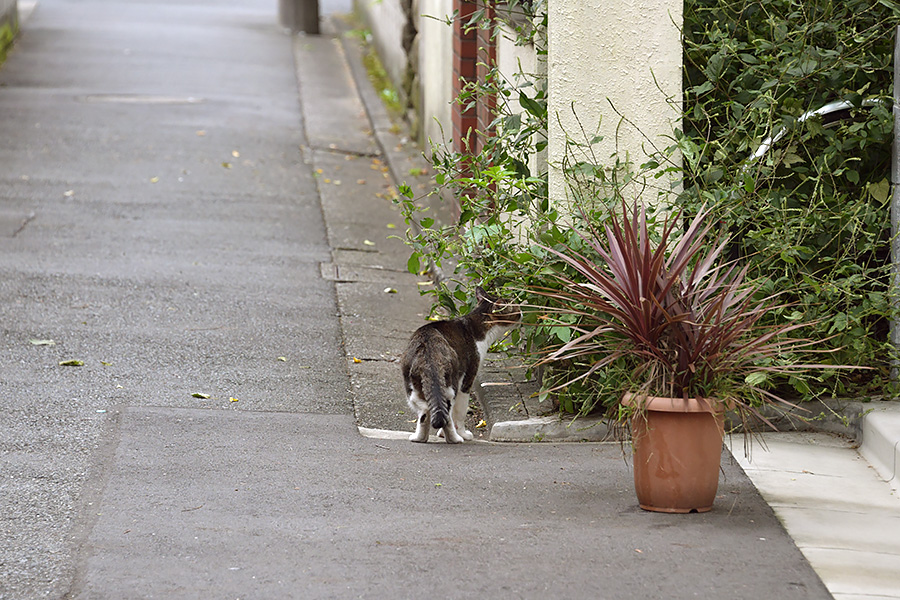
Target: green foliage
(808,217)
(501,191)
(7,35)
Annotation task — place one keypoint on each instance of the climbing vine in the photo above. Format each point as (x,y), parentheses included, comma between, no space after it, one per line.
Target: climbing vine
(811,214)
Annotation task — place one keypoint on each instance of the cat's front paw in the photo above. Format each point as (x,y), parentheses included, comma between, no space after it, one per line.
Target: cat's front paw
(417,437)
(466,434)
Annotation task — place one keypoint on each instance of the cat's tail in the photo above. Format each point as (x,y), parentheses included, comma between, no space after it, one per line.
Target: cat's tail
(438,405)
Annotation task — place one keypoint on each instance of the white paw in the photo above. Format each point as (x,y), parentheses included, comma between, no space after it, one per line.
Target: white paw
(452,437)
(466,435)
(416,437)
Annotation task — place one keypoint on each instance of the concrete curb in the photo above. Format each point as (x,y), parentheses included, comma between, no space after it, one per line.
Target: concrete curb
(552,429)
(881,441)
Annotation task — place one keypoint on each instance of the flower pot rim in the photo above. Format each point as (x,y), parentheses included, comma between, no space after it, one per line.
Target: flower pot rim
(664,404)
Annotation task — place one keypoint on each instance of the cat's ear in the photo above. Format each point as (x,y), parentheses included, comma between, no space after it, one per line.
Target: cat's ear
(480,294)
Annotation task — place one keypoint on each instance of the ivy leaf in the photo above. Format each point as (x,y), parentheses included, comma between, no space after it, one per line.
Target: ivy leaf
(839,323)
(880,191)
(790,159)
(412,265)
(532,106)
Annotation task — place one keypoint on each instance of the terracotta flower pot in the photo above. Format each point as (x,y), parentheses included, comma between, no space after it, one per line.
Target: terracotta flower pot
(677,452)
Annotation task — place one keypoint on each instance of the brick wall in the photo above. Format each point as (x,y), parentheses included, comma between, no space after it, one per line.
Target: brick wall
(465,55)
(473,55)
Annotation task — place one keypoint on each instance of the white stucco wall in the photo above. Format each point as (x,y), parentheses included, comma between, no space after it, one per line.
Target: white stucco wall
(435,71)
(513,61)
(611,50)
(386,19)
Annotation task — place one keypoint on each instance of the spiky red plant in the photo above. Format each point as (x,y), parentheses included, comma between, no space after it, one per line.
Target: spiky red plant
(688,323)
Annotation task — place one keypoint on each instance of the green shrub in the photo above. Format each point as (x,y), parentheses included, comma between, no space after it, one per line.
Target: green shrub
(809,217)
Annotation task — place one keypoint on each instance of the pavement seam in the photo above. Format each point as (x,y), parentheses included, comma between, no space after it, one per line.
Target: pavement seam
(102,464)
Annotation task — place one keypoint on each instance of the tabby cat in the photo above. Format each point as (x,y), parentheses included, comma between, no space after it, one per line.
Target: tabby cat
(442,360)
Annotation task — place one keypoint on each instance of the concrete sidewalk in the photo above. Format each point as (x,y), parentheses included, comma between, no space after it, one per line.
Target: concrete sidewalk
(216,256)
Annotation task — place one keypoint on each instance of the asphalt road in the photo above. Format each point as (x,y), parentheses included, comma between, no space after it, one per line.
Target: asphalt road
(159,225)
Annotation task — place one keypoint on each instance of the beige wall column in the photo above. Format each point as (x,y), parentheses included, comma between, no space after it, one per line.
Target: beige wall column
(435,72)
(624,52)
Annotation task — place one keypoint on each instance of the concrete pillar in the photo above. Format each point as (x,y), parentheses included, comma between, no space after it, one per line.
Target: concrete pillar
(435,69)
(621,53)
(299,15)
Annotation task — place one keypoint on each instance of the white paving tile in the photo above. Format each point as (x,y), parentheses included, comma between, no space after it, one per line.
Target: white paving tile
(868,531)
(841,513)
(792,471)
(862,573)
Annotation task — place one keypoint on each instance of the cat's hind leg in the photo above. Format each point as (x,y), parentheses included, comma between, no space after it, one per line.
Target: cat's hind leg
(423,422)
(458,410)
(423,428)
